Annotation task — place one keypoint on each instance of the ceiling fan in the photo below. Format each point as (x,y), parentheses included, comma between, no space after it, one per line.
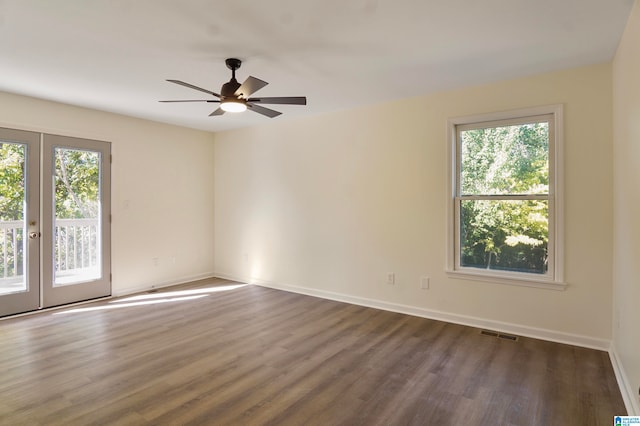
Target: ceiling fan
(235,97)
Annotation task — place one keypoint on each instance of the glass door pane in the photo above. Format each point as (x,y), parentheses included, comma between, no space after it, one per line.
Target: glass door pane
(12,218)
(19,228)
(77,252)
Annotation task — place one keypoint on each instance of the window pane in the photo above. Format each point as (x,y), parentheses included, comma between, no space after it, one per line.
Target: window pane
(506,235)
(505,160)
(77,216)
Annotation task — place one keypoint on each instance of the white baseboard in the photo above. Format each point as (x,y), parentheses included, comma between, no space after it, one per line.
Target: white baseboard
(155,285)
(628,393)
(520,330)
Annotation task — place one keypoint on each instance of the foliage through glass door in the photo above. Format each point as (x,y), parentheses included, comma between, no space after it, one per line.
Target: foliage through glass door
(77,216)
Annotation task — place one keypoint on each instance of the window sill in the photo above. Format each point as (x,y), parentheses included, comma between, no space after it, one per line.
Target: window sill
(516,281)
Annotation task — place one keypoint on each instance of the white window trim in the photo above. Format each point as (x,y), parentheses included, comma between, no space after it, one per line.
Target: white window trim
(553,280)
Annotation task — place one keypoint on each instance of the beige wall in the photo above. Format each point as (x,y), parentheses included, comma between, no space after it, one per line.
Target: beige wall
(626,277)
(331,204)
(162,183)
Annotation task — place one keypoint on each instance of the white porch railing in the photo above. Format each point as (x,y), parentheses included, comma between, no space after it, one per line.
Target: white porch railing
(11,237)
(77,243)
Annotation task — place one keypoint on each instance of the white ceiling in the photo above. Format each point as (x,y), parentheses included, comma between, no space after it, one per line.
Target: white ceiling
(115,55)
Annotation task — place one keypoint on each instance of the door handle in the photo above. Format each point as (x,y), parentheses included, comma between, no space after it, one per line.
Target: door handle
(34,235)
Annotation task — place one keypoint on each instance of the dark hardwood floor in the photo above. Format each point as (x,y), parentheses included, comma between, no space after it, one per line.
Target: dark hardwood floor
(254,356)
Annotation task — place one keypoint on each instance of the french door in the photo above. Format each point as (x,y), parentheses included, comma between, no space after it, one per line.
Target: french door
(54,220)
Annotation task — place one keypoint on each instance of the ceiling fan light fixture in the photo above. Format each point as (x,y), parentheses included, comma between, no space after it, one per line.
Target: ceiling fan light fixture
(233,105)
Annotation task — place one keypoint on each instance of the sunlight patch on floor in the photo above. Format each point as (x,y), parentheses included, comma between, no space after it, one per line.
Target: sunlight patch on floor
(178,293)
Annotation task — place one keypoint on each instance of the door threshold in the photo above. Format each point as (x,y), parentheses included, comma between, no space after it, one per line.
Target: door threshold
(55,308)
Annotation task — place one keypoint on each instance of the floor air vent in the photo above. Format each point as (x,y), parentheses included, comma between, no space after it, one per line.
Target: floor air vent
(499,335)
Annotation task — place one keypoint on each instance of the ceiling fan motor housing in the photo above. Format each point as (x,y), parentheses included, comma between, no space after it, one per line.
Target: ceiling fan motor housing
(228,89)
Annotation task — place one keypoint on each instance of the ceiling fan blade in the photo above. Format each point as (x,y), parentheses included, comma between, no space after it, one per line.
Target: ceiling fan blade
(250,86)
(262,110)
(286,100)
(191,86)
(193,100)
(219,111)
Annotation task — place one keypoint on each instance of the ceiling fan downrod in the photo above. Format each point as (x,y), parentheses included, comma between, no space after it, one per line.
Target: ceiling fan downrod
(233,64)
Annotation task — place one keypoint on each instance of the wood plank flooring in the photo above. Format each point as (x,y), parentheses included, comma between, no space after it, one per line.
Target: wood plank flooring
(256,356)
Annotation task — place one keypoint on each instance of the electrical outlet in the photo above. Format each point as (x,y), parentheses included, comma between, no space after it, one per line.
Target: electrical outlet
(391,278)
(155,261)
(424,283)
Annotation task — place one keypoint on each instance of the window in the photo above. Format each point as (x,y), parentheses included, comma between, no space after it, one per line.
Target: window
(505,210)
